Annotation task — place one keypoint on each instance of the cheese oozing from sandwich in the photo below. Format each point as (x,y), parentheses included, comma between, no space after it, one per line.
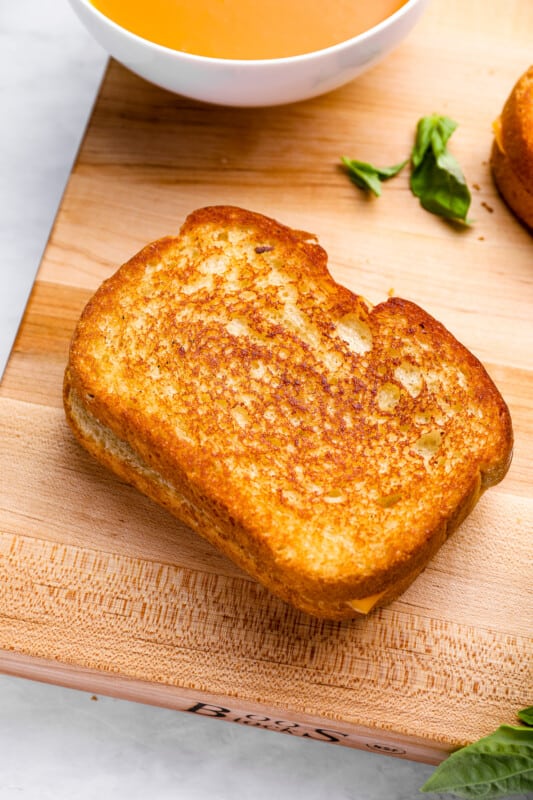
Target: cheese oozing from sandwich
(365,604)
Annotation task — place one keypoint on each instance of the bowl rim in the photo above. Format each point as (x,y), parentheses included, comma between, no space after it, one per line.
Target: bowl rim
(248,63)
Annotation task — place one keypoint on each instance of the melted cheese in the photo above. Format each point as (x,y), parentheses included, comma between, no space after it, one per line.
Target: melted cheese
(497,128)
(365,604)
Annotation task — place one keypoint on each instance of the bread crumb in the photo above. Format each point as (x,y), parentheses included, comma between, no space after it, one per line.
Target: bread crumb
(390,293)
(481,238)
(476,186)
(489,208)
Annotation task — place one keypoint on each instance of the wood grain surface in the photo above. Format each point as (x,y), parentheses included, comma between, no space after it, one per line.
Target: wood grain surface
(102,590)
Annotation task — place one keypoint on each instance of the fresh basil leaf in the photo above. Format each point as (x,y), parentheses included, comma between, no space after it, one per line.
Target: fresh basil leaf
(422,143)
(526,715)
(363,175)
(436,178)
(389,172)
(367,176)
(498,765)
(444,127)
(431,132)
(441,188)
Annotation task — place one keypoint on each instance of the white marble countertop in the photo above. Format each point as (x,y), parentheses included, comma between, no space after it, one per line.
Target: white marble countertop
(63,744)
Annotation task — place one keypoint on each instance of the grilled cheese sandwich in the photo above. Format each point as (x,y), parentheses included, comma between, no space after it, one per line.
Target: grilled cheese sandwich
(327,446)
(512,150)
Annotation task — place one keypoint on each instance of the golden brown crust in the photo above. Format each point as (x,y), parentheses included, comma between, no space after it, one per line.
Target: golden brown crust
(512,151)
(327,447)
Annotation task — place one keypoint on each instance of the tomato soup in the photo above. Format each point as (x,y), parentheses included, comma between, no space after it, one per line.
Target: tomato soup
(247,29)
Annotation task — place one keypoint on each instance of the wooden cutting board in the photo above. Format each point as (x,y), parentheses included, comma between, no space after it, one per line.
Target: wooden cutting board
(101,590)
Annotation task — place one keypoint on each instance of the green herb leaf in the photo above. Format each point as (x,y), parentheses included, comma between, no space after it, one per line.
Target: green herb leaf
(526,715)
(498,765)
(367,176)
(432,132)
(440,186)
(436,178)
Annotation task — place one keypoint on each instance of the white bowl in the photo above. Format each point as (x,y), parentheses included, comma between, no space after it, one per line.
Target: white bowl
(265,82)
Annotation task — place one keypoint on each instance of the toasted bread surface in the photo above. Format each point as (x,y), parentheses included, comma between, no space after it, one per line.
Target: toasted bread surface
(512,151)
(328,447)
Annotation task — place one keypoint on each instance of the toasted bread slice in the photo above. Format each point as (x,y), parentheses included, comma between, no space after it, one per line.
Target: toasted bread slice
(512,149)
(327,447)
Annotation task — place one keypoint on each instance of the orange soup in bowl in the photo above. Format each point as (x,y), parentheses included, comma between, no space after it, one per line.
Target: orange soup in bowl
(247,29)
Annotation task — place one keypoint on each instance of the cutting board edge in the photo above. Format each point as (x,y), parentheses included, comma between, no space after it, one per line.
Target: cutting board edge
(229,709)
